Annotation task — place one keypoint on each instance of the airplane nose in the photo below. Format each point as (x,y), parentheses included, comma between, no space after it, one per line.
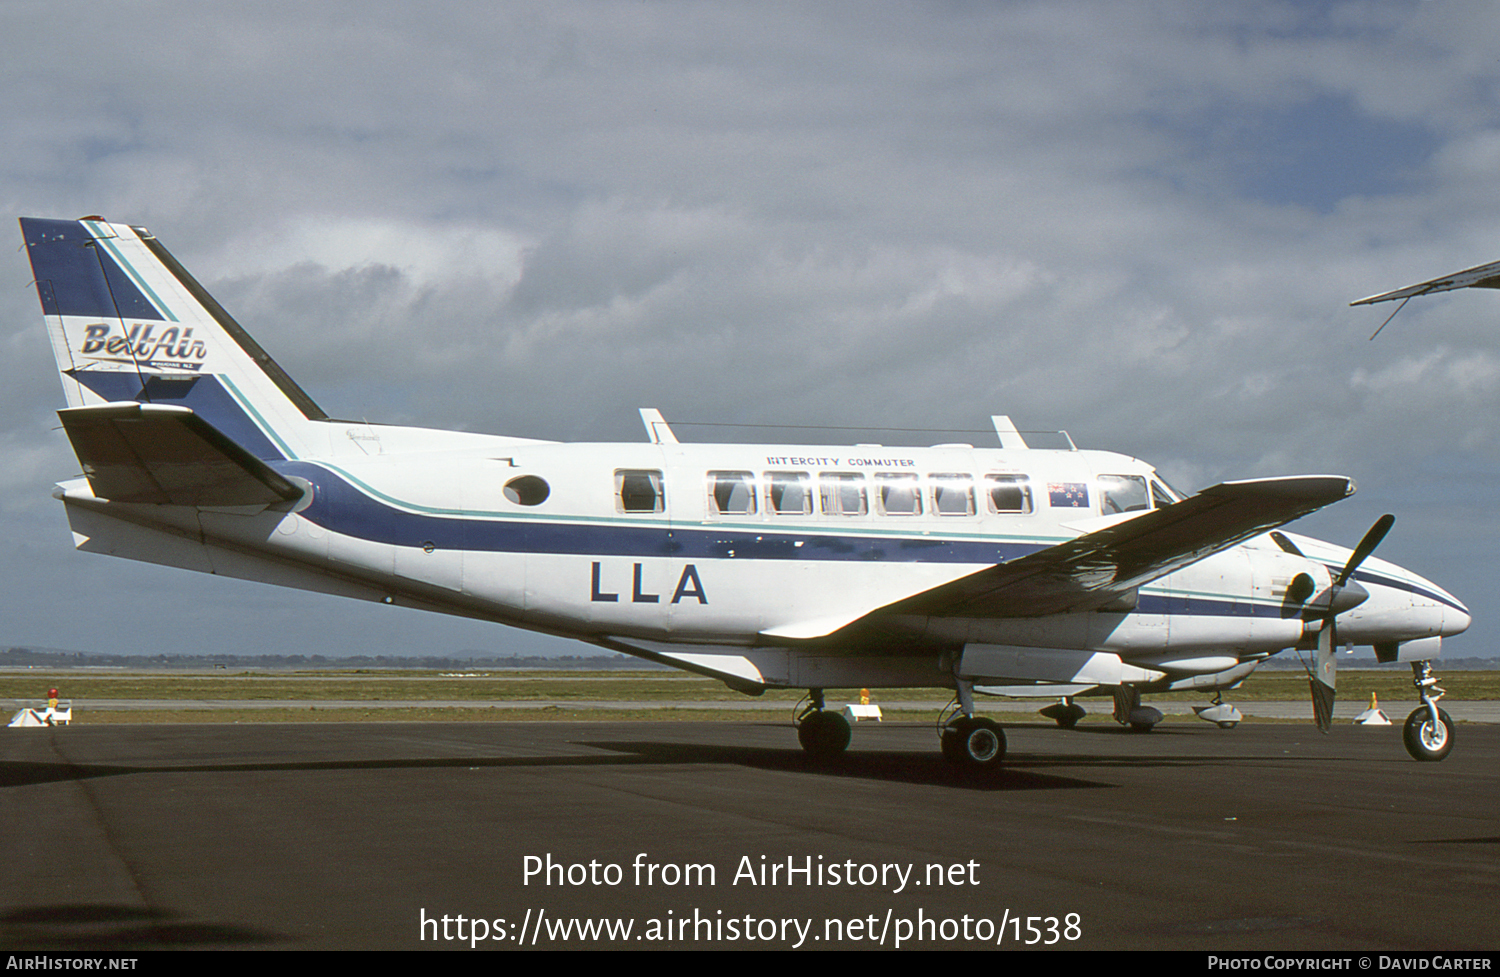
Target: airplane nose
(1456,620)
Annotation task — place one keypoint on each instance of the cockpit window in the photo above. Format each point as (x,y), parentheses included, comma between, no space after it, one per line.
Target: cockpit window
(639,491)
(1124,493)
(1162,494)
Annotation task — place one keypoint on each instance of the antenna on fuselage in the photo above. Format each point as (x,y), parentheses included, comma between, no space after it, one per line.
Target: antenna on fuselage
(1010,437)
(656,427)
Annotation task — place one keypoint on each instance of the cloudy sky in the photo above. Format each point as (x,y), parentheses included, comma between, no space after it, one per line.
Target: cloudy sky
(1141,222)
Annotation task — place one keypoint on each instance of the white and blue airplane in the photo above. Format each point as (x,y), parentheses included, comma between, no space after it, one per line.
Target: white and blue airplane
(1012,569)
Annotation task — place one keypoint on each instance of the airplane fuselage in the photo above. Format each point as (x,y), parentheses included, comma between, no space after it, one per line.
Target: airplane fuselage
(758,547)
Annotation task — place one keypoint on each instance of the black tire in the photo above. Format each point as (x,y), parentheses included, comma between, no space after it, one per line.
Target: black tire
(1424,741)
(951,742)
(978,744)
(824,735)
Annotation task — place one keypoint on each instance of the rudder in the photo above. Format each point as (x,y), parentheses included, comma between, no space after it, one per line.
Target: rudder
(128,323)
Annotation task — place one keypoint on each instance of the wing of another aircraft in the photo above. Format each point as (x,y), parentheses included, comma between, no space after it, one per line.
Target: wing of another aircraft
(1480,276)
(163,453)
(1101,567)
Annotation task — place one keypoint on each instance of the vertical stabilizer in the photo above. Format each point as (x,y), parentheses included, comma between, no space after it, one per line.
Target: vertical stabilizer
(128,323)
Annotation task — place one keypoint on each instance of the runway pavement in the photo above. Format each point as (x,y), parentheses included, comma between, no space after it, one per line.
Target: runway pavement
(403,835)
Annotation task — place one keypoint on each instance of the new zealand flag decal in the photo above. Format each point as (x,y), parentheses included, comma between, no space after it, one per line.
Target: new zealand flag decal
(1068,495)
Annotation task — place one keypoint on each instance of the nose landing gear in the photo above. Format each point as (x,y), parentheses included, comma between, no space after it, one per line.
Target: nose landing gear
(1428,734)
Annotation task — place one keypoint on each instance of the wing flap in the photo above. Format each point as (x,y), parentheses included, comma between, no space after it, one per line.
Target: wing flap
(165,454)
(1097,568)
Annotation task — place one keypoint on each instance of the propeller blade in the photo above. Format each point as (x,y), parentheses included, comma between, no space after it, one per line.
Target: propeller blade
(1324,676)
(1340,597)
(1280,539)
(1366,546)
(1322,699)
(1286,545)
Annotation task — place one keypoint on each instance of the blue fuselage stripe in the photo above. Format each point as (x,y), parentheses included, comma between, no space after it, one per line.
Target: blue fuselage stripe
(339,507)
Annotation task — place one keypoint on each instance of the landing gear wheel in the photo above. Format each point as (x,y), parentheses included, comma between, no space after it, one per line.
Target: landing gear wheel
(975,743)
(824,735)
(1426,740)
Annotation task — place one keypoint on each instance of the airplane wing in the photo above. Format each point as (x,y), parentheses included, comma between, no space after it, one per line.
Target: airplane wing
(1091,571)
(1481,276)
(163,453)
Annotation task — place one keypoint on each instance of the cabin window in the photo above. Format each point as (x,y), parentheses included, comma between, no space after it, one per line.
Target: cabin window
(843,494)
(1124,493)
(732,493)
(789,493)
(639,491)
(527,490)
(1008,493)
(898,495)
(952,495)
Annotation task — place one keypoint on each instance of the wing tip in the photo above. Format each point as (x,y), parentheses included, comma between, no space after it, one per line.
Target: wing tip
(1324,488)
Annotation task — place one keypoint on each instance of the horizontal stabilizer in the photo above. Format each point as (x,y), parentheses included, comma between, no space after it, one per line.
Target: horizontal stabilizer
(1480,276)
(165,454)
(1095,569)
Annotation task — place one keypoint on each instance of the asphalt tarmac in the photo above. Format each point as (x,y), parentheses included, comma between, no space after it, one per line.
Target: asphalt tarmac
(724,835)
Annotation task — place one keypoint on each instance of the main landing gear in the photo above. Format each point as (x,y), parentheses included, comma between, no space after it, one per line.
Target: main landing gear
(824,735)
(1429,730)
(972,742)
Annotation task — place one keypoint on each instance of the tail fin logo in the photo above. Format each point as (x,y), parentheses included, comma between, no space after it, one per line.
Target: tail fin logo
(172,349)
